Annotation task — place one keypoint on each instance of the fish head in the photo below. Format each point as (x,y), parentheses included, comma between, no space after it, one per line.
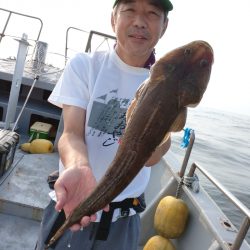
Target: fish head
(188,70)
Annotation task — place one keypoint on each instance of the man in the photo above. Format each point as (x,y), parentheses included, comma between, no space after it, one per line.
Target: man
(95,91)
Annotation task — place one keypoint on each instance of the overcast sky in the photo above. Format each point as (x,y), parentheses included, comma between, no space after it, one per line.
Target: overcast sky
(222,23)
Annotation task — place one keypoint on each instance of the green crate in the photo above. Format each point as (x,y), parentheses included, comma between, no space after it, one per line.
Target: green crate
(40,130)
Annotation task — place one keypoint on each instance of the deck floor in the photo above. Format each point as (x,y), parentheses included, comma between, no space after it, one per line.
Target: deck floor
(23,196)
(27,181)
(18,233)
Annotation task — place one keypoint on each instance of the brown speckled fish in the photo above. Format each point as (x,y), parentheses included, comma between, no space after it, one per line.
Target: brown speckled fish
(177,80)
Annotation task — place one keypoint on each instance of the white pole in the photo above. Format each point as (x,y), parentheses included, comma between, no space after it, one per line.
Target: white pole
(16,81)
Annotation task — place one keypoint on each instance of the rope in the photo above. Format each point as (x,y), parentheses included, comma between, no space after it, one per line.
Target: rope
(179,189)
(24,105)
(191,182)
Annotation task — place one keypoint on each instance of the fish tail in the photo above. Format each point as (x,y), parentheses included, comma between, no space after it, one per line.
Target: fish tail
(57,235)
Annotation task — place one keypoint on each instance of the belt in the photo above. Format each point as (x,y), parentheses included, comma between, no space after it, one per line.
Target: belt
(138,204)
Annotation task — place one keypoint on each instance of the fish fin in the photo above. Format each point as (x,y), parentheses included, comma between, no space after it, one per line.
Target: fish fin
(139,93)
(180,121)
(177,125)
(165,138)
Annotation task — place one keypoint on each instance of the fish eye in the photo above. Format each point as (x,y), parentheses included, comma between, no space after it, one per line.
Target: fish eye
(203,63)
(187,51)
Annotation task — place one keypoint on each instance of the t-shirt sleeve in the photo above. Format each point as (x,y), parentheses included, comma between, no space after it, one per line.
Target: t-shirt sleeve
(72,87)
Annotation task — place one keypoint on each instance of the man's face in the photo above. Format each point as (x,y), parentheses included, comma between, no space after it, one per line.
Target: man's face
(138,26)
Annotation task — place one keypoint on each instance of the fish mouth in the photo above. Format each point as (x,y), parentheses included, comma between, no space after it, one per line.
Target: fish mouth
(206,44)
(209,53)
(204,54)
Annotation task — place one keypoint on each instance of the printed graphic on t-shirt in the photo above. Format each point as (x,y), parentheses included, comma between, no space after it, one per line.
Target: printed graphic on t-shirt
(108,117)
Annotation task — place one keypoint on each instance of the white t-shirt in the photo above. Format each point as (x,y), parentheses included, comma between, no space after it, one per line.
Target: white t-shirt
(103,85)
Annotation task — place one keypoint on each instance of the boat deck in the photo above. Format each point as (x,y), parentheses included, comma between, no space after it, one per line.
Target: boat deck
(19,233)
(48,76)
(23,196)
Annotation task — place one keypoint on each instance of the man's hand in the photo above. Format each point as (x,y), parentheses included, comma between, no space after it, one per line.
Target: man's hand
(72,187)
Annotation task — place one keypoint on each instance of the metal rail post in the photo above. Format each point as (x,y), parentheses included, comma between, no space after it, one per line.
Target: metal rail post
(16,81)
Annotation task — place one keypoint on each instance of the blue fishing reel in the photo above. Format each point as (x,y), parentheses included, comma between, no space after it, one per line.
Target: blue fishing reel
(186,137)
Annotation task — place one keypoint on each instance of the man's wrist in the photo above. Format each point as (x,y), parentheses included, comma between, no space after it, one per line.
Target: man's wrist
(80,165)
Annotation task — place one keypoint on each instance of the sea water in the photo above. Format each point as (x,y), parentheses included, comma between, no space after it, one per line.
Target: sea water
(222,147)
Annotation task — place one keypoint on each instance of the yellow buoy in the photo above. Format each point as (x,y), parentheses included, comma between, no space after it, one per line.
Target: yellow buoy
(158,242)
(171,217)
(38,146)
(25,147)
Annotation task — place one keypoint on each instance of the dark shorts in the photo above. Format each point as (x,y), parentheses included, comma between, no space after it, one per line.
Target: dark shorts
(123,234)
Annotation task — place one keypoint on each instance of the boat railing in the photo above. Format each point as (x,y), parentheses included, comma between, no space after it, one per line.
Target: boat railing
(244,227)
(89,43)
(246,221)
(67,39)
(10,13)
(92,32)
(187,154)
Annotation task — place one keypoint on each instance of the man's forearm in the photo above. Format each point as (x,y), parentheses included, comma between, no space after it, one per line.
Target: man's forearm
(72,150)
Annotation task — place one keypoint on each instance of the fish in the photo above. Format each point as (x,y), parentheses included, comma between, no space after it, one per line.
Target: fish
(176,81)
